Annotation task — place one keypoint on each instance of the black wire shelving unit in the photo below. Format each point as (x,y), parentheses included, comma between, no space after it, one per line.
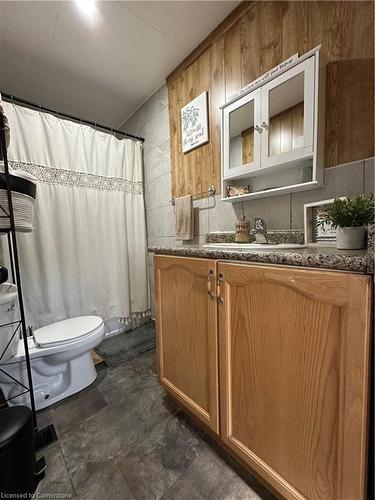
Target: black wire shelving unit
(20,324)
(47,435)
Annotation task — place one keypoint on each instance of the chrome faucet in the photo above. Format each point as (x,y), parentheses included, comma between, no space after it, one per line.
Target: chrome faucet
(259,230)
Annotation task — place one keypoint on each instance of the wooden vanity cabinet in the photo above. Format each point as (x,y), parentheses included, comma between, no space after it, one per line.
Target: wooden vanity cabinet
(187,334)
(294,354)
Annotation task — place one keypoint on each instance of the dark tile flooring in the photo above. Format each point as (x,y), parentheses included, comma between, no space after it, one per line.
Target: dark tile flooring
(123,438)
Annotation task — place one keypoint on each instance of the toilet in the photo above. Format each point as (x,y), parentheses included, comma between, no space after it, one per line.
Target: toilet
(61,361)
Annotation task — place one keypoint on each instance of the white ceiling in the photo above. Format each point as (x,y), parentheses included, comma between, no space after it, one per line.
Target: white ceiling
(101,66)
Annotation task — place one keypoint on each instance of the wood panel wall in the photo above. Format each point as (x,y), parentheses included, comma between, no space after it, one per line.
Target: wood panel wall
(257,36)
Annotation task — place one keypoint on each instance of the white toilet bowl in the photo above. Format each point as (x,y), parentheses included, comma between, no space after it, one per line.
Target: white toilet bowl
(61,361)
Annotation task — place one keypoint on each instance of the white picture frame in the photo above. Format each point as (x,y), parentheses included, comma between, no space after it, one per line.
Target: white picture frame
(194,123)
(328,234)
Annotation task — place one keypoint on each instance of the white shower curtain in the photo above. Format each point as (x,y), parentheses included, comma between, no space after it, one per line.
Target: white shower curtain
(88,251)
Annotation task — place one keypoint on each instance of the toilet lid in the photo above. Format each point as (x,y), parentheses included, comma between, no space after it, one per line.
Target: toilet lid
(67,330)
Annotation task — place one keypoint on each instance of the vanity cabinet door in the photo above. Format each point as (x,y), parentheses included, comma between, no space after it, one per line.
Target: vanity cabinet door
(187,333)
(294,373)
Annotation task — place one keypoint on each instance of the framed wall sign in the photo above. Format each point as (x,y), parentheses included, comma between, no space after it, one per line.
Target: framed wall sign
(313,214)
(194,123)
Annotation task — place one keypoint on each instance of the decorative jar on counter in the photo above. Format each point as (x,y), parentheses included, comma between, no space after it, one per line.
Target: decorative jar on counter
(242,230)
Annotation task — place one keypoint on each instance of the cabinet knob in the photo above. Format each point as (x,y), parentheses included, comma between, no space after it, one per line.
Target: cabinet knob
(258,129)
(265,125)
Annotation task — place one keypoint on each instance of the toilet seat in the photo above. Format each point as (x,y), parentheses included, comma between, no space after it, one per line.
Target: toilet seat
(66,331)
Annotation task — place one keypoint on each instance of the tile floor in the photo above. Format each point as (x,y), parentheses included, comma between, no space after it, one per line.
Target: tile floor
(123,438)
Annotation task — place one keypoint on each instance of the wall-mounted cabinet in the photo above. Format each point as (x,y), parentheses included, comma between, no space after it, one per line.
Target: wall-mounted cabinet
(272,136)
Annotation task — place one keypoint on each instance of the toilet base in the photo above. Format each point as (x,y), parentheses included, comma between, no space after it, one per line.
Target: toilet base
(52,381)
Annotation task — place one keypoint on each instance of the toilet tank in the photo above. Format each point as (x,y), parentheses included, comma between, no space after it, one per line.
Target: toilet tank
(9,312)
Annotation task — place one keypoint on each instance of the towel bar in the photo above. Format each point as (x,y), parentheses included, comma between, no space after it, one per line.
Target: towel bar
(210,191)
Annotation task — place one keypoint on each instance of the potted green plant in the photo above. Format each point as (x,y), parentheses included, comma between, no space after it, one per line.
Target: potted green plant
(349,216)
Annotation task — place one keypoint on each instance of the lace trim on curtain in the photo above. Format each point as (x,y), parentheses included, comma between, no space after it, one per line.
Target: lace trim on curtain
(133,316)
(51,175)
(120,324)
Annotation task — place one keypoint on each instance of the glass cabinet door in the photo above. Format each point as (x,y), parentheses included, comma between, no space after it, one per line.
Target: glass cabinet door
(241,145)
(287,115)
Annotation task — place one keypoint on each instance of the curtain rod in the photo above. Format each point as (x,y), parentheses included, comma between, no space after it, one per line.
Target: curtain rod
(10,97)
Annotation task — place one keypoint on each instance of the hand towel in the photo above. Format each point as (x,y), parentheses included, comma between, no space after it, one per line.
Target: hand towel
(184,212)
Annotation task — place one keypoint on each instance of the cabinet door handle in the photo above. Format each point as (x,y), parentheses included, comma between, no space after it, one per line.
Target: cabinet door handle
(210,279)
(258,129)
(265,125)
(219,282)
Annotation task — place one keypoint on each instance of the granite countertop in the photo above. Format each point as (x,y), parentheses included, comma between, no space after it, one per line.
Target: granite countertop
(359,261)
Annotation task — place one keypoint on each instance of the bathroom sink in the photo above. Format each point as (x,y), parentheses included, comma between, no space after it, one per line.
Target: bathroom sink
(253,246)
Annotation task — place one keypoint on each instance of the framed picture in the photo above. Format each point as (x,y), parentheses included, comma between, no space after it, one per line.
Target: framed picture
(194,123)
(313,214)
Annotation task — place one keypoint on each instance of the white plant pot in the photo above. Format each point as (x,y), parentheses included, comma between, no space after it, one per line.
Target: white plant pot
(351,238)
